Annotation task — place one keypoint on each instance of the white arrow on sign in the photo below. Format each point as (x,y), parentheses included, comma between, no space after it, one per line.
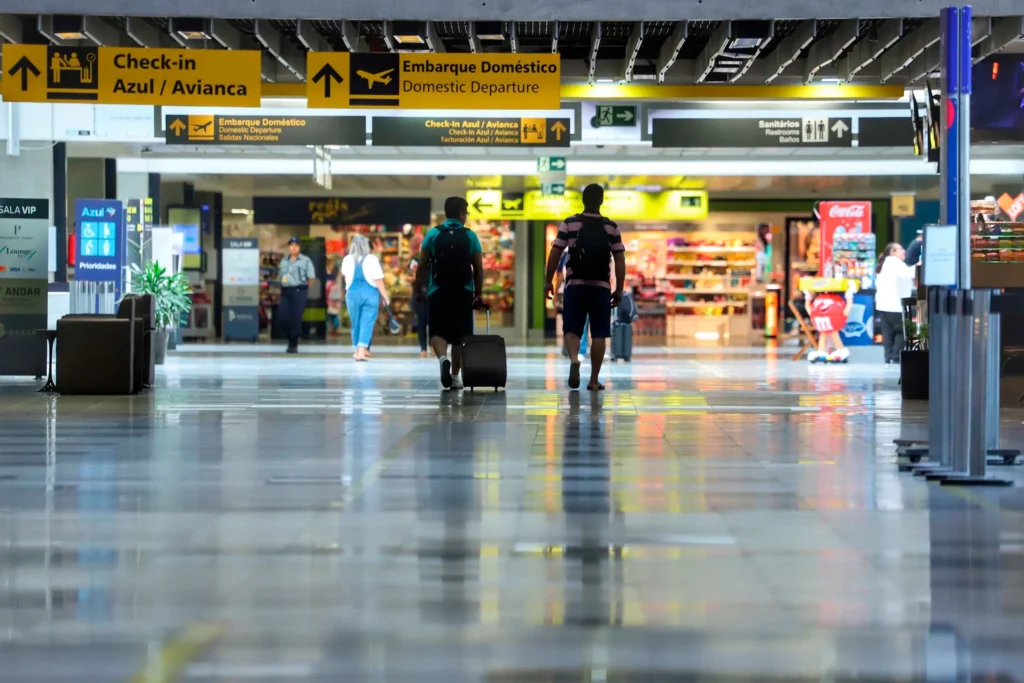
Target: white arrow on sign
(626,115)
(840,127)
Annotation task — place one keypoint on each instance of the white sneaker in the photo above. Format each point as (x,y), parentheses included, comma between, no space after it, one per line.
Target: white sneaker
(457,384)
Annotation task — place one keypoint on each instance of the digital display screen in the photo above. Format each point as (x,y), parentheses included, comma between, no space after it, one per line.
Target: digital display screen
(191,244)
(997,100)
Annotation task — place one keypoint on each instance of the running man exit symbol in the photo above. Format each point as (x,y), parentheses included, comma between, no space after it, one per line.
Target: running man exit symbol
(623,115)
(547,164)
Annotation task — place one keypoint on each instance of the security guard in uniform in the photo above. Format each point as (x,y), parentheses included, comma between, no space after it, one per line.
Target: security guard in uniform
(297,275)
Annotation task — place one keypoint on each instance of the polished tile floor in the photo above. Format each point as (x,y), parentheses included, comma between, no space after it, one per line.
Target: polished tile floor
(711,517)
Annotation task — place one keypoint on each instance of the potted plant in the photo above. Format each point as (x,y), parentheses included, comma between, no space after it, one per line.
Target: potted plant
(173,297)
(914,362)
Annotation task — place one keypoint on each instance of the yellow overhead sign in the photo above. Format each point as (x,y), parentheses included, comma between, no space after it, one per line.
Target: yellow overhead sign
(903,205)
(115,75)
(388,80)
(619,205)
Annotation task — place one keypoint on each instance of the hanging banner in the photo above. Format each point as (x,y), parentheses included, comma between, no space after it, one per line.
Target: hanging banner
(240,269)
(840,217)
(24,245)
(99,242)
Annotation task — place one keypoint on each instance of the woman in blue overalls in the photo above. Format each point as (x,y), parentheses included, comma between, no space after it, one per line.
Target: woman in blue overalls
(364,291)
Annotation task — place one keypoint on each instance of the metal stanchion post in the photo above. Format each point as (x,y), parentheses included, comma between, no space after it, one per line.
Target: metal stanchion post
(995,454)
(942,328)
(956,394)
(970,445)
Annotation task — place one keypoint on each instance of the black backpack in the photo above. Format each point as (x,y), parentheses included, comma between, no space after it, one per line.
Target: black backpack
(590,255)
(451,264)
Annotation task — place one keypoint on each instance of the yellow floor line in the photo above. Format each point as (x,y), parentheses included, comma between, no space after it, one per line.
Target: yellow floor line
(166,665)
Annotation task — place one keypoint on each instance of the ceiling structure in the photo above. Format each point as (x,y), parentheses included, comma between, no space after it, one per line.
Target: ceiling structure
(883,49)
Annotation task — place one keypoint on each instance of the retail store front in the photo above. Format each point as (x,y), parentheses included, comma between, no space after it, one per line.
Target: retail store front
(697,276)
(395,227)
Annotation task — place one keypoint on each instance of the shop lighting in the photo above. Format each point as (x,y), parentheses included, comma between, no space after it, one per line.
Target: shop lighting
(830,81)
(190,28)
(242,212)
(409,32)
(68,27)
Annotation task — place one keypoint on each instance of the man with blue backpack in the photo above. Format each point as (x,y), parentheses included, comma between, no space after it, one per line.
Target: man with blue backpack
(452,255)
(592,242)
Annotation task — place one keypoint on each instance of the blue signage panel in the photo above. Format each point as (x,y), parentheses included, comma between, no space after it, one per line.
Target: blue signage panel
(100,240)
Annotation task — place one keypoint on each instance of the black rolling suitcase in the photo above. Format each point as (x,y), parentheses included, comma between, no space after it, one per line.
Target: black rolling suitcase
(622,341)
(483,360)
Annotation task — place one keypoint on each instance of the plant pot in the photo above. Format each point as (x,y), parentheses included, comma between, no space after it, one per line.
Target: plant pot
(914,375)
(160,346)
(172,338)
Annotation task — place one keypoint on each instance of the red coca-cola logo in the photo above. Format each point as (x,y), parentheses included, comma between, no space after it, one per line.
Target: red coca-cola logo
(847,211)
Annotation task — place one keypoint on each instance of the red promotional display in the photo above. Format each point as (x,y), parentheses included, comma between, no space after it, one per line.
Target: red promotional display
(828,312)
(840,217)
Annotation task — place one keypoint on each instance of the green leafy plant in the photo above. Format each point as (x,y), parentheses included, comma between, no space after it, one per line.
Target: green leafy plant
(172,293)
(915,336)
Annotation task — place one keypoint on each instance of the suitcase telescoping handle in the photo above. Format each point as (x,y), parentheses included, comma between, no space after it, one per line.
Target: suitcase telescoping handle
(487,309)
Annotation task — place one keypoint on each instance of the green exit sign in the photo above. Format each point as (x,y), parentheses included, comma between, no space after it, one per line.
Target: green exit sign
(619,115)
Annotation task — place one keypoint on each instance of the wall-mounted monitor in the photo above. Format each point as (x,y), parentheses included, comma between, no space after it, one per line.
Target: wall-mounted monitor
(997,100)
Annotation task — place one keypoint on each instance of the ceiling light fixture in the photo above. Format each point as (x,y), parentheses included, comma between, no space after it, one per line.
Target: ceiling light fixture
(190,28)
(409,32)
(490,30)
(68,27)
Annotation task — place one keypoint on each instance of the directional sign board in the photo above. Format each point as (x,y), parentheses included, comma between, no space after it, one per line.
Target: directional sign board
(551,165)
(614,115)
(552,188)
(885,132)
(115,75)
(388,80)
(756,132)
(484,203)
(470,132)
(206,129)
(495,204)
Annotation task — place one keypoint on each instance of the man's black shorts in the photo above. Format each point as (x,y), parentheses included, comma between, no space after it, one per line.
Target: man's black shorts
(580,302)
(450,315)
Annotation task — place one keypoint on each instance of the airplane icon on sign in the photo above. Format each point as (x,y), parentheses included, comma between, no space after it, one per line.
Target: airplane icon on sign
(205,126)
(383,78)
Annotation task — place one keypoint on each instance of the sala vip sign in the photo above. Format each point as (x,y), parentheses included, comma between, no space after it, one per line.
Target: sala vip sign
(113,75)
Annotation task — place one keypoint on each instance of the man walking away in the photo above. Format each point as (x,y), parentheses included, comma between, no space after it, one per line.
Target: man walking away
(452,256)
(297,275)
(592,242)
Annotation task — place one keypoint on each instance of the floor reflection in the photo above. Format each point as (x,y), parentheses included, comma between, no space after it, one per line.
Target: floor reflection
(724,517)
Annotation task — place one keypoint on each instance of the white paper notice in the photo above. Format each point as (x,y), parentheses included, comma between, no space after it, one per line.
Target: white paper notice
(939,255)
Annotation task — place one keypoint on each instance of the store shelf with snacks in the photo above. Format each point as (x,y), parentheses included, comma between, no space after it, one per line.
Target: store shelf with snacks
(497,242)
(997,243)
(854,258)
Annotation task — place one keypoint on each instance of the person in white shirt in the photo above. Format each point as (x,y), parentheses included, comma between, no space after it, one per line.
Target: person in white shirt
(364,292)
(893,283)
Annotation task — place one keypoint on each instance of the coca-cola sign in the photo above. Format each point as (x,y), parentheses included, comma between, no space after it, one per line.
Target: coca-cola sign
(840,217)
(847,211)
